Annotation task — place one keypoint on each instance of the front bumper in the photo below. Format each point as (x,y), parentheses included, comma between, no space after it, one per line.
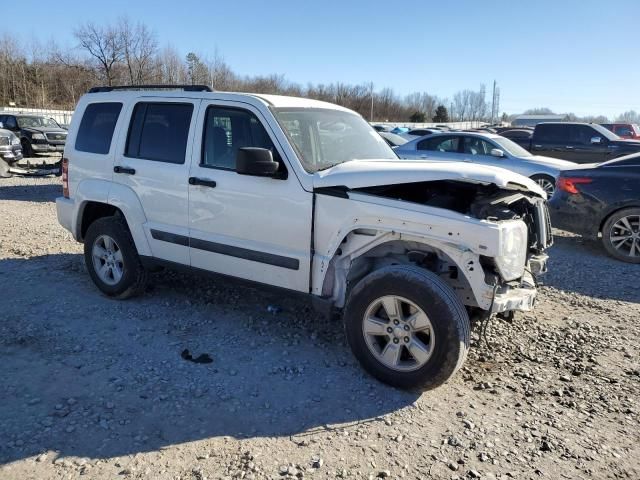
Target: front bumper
(46,148)
(11,155)
(523,296)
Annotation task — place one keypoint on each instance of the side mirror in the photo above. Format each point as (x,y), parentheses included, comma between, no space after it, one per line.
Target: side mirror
(596,140)
(496,152)
(256,161)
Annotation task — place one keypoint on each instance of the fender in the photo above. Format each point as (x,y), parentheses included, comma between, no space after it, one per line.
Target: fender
(372,221)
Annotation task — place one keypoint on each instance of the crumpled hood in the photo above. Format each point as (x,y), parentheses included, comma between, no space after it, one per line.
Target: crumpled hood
(551,162)
(371,173)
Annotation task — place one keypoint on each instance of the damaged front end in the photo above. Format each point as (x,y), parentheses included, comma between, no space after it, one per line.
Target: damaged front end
(510,274)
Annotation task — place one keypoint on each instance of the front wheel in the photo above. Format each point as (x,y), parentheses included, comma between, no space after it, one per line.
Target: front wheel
(621,235)
(407,327)
(112,259)
(547,183)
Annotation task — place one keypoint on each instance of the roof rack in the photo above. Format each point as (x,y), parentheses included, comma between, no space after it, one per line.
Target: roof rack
(186,88)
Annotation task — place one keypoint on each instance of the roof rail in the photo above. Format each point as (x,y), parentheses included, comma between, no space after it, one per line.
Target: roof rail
(186,88)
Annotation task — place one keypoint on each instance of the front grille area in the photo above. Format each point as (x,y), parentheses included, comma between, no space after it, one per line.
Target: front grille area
(56,137)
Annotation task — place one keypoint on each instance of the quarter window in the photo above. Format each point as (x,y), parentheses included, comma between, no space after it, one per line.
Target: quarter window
(97,126)
(159,131)
(226,130)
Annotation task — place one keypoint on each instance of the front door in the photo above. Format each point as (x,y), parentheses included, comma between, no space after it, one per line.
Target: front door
(249,227)
(153,163)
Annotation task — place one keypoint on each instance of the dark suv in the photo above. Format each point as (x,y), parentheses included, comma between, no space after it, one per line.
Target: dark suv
(579,142)
(37,133)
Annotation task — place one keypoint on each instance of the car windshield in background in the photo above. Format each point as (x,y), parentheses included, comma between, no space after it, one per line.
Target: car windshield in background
(511,148)
(608,134)
(325,137)
(36,122)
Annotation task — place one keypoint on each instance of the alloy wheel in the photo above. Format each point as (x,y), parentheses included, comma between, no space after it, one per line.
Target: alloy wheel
(107,260)
(398,333)
(625,235)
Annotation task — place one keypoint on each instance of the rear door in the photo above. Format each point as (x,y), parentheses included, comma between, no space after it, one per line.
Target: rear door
(152,163)
(441,148)
(550,140)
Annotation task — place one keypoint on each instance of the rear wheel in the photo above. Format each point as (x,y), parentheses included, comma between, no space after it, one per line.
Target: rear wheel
(112,259)
(621,235)
(547,183)
(407,327)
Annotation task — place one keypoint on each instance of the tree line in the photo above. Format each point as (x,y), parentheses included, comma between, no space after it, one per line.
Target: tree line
(128,53)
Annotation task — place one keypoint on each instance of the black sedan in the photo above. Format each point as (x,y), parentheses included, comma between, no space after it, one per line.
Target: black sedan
(602,200)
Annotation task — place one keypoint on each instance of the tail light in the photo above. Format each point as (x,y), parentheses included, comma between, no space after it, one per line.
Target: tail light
(65,177)
(568,184)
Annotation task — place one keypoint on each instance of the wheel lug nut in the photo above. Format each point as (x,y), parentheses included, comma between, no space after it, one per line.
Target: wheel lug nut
(389,329)
(395,340)
(396,322)
(406,327)
(406,339)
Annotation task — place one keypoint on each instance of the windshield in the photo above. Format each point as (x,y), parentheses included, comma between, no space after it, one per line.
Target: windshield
(26,122)
(325,137)
(511,148)
(609,135)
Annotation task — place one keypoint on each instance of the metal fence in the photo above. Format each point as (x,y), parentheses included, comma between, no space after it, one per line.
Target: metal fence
(60,116)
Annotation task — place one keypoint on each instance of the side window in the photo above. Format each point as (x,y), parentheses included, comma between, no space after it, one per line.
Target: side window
(582,135)
(440,144)
(476,146)
(623,130)
(551,133)
(10,123)
(228,129)
(159,131)
(96,128)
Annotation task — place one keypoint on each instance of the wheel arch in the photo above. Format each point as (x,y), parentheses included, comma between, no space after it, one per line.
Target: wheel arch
(613,211)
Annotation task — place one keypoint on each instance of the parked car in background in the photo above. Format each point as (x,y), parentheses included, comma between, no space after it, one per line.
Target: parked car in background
(38,134)
(399,130)
(623,130)
(485,149)
(10,148)
(393,140)
(602,200)
(521,136)
(579,142)
(381,128)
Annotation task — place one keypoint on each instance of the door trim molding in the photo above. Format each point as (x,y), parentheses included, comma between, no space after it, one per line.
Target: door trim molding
(229,250)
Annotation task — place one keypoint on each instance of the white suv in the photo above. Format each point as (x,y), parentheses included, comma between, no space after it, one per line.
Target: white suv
(306,196)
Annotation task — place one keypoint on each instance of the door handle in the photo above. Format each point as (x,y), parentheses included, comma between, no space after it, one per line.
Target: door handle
(569,147)
(127,170)
(538,146)
(202,181)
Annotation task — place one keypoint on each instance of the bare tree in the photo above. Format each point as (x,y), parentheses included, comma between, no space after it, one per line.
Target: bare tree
(139,48)
(104,43)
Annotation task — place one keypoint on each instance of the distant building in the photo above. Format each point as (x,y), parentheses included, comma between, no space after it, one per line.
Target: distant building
(533,120)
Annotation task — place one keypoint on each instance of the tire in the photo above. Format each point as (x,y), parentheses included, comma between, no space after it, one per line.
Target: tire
(616,229)
(547,182)
(27,151)
(128,277)
(448,331)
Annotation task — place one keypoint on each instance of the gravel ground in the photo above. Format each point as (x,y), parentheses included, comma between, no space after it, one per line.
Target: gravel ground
(97,387)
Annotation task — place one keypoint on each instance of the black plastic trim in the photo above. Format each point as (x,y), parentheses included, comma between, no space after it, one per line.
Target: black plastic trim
(229,250)
(339,191)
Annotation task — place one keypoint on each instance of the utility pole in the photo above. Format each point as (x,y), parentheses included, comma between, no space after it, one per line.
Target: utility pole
(495,103)
(371,117)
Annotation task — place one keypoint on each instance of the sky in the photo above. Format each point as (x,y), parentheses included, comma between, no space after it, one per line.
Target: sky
(575,56)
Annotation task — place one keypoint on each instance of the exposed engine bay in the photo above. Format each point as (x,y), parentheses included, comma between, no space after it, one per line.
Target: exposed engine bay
(484,202)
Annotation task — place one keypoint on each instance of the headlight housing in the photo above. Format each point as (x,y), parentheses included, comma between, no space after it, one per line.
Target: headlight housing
(15,140)
(4,140)
(38,136)
(513,249)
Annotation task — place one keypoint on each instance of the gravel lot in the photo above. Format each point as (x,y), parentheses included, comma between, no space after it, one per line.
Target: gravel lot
(97,387)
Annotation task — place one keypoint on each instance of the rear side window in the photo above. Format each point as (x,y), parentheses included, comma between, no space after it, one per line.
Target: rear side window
(97,126)
(551,132)
(159,132)
(440,144)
